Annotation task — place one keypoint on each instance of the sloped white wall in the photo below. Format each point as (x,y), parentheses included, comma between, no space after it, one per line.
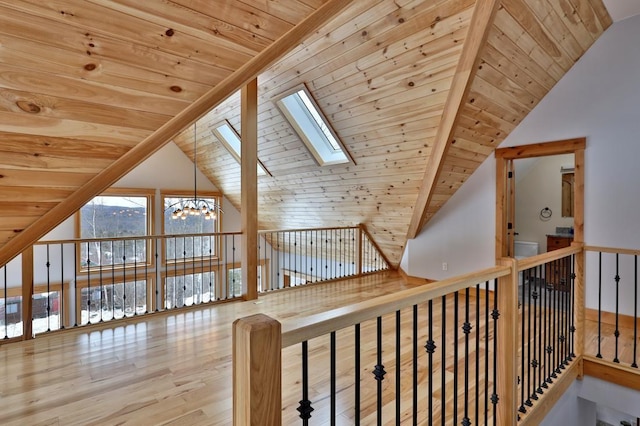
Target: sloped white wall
(598,98)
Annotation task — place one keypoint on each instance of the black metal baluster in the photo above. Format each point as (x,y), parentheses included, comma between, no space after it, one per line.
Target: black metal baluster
(545,330)
(563,312)
(88,284)
(634,364)
(295,254)
(616,333)
(495,315)
(527,305)
(534,362)
(356,414)
(455,357)
(124,278)
(478,328)
(541,352)
(521,377)
(486,353)
(48,264)
(233,262)
(443,364)
(414,395)
(135,277)
(6,322)
(572,328)
(333,377)
(430,347)
(62,304)
(554,319)
(599,354)
(212,295)
(398,367)
(75,282)
(378,371)
(466,328)
(113,283)
(305,409)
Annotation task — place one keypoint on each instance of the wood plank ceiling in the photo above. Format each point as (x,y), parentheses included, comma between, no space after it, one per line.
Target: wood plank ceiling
(84,81)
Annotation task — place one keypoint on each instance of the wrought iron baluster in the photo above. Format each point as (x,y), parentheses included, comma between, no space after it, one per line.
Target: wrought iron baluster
(379,371)
(414,353)
(455,357)
(466,328)
(495,315)
(356,414)
(616,333)
(398,367)
(305,409)
(634,364)
(443,364)
(332,337)
(430,347)
(599,354)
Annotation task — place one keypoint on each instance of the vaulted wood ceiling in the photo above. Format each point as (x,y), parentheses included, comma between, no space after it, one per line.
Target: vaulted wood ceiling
(418,96)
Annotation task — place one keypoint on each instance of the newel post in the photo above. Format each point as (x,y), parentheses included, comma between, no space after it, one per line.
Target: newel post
(507,336)
(358,248)
(579,303)
(27,294)
(257,371)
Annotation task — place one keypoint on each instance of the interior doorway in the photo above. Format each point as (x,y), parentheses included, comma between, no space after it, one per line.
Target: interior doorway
(508,210)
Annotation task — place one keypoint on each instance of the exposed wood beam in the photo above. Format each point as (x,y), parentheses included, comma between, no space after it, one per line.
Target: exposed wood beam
(479,28)
(164,134)
(249,189)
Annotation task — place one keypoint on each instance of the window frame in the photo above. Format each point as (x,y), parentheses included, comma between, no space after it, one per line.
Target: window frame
(149,194)
(307,142)
(236,155)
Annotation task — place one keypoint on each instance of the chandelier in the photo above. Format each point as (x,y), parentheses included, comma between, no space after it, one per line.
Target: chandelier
(195,206)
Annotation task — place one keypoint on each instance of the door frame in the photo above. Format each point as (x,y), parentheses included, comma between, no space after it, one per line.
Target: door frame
(505,196)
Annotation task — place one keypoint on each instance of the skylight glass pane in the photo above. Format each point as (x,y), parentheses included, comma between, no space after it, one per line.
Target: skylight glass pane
(312,127)
(230,139)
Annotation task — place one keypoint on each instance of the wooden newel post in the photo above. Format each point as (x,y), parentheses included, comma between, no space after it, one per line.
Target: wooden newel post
(507,336)
(257,371)
(27,294)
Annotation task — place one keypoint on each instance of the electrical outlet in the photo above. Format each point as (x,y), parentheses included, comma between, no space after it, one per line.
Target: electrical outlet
(445,266)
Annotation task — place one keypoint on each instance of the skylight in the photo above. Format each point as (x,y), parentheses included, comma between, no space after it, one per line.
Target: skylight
(231,141)
(312,127)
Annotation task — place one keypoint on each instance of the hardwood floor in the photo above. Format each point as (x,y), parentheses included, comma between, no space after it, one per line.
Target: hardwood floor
(175,368)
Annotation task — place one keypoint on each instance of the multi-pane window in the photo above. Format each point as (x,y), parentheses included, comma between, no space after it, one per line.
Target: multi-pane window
(184,242)
(114,216)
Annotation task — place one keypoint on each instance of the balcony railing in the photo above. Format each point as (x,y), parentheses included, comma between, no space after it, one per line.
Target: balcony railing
(72,283)
(428,355)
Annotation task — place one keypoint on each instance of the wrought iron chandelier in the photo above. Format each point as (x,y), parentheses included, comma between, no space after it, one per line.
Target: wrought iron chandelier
(195,206)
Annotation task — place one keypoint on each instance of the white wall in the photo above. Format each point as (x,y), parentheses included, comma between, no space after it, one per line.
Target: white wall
(597,98)
(461,234)
(571,409)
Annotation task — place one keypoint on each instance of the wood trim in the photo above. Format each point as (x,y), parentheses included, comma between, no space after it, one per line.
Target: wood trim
(249,189)
(579,291)
(479,27)
(548,400)
(107,177)
(547,257)
(501,211)
(578,195)
(609,318)
(507,341)
(541,149)
(612,250)
(413,280)
(27,294)
(614,373)
(299,330)
(257,371)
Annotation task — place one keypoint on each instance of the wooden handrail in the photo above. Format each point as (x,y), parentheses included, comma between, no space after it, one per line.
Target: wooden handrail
(550,256)
(328,228)
(140,237)
(612,250)
(300,330)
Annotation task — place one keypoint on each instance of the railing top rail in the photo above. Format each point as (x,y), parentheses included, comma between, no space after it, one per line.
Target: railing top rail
(298,330)
(541,259)
(268,231)
(139,237)
(631,252)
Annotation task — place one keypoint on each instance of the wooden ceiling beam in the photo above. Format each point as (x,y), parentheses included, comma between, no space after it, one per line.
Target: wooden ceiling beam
(479,27)
(169,130)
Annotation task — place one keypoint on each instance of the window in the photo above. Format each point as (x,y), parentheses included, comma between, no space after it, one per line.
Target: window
(190,246)
(231,141)
(305,117)
(115,214)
